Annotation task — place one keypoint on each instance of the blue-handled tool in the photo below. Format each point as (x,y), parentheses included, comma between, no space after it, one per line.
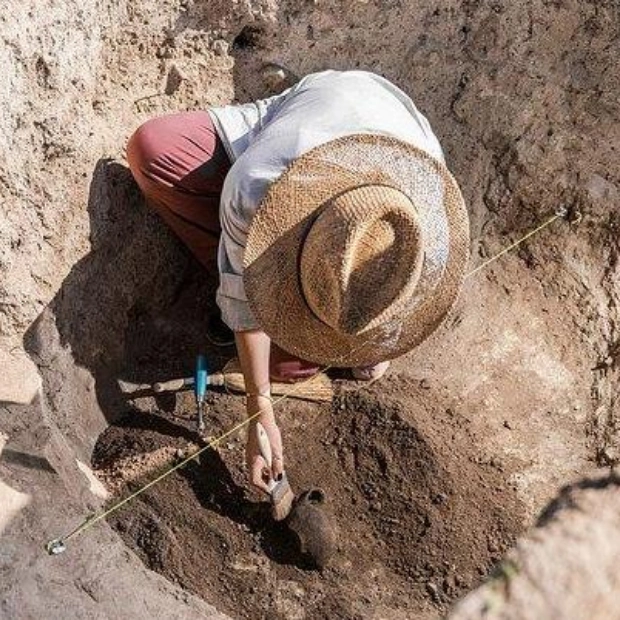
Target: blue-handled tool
(201,378)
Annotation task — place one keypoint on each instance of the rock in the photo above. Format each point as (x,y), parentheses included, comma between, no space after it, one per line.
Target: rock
(220,47)
(21,381)
(274,75)
(95,485)
(433,591)
(565,568)
(174,80)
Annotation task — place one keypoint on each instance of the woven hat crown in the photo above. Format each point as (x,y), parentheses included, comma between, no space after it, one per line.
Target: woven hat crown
(351,261)
(357,251)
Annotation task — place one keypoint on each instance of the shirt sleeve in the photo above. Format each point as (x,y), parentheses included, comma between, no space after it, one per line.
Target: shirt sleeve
(267,135)
(234,220)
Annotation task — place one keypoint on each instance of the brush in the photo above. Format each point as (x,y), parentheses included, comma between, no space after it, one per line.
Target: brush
(314,531)
(280,490)
(317,388)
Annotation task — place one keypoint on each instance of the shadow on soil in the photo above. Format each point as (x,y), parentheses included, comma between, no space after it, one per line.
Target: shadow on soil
(135,307)
(201,487)
(566,500)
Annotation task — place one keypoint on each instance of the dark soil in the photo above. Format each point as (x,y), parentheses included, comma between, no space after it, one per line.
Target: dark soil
(420,517)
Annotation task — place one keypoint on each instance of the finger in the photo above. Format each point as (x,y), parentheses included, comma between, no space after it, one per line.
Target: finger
(256,474)
(275,439)
(277,465)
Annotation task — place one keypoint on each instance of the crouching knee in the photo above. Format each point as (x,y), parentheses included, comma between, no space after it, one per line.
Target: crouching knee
(144,148)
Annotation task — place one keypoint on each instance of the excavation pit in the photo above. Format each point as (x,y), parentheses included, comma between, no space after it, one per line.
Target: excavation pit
(95,288)
(420,517)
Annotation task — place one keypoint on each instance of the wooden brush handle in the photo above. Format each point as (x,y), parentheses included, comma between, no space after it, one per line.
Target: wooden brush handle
(126,387)
(265,449)
(263,444)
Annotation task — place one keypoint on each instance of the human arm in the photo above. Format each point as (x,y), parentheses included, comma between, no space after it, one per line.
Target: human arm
(253,347)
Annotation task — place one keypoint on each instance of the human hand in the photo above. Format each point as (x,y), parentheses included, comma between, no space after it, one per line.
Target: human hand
(258,469)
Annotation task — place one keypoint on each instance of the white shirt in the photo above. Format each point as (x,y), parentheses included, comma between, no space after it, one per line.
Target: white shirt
(263,137)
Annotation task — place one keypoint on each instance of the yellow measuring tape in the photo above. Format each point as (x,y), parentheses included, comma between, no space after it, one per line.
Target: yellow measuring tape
(559,213)
(58,545)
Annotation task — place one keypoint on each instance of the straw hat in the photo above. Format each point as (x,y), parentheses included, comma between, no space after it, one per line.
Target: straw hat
(357,252)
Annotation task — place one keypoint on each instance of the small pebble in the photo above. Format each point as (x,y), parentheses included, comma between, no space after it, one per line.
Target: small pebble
(425,384)
(440,498)
(449,583)
(433,590)
(220,47)
(273,75)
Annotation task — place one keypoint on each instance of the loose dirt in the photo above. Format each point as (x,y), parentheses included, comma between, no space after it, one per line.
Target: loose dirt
(420,516)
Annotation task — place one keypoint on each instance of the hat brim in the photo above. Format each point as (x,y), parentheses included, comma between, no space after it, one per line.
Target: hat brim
(277,231)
